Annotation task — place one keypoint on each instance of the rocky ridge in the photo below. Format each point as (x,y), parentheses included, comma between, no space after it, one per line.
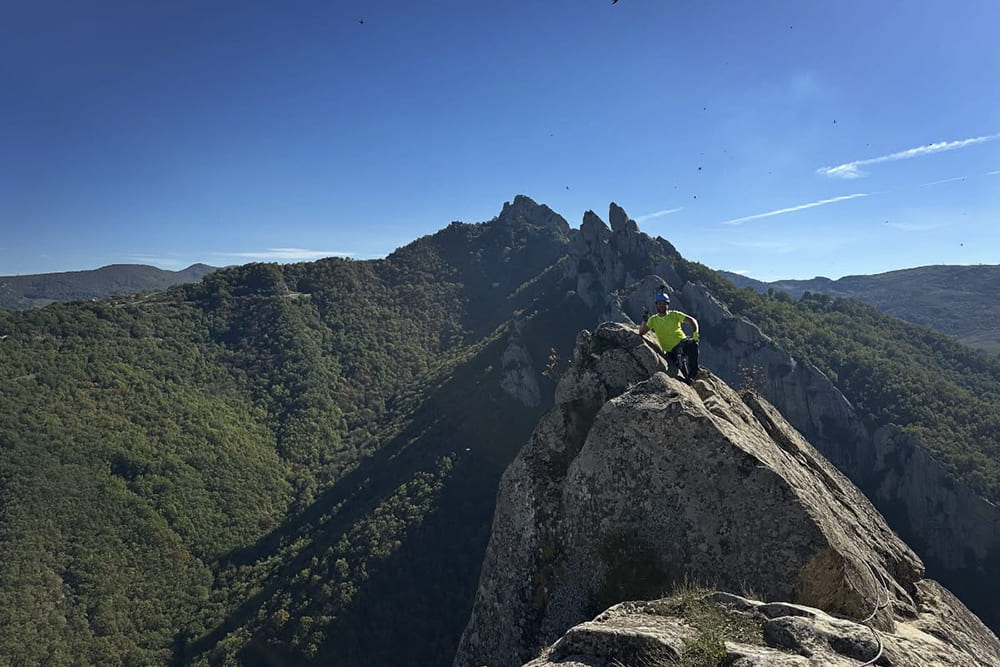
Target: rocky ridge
(955,530)
(634,482)
(618,269)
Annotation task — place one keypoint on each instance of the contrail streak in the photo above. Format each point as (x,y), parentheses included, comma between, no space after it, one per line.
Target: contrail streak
(853,169)
(822,202)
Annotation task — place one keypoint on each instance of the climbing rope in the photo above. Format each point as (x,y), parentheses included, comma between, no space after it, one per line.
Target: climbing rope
(879,584)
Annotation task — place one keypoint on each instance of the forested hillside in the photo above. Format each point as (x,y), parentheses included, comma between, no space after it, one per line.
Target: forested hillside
(234,470)
(297,464)
(959,301)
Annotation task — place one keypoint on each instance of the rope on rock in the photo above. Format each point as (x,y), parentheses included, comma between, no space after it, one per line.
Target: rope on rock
(879,584)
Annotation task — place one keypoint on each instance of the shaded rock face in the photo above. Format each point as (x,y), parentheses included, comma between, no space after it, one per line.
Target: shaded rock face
(604,260)
(635,481)
(793,635)
(519,379)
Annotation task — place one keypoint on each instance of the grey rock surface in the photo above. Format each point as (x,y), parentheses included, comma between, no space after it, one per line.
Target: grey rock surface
(955,531)
(950,526)
(789,636)
(518,378)
(635,481)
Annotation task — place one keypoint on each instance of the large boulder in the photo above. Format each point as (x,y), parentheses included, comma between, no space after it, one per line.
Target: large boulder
(955,531)
(635,481)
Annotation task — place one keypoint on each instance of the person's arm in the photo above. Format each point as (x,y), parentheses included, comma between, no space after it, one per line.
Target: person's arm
(644,327)
(694,325)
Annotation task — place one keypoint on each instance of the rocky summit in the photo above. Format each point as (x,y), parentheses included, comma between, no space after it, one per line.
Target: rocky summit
(635,482)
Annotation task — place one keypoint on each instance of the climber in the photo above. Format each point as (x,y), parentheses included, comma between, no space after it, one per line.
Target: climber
(676,346)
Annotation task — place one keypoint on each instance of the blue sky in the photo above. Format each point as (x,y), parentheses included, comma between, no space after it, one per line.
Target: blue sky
(780,139)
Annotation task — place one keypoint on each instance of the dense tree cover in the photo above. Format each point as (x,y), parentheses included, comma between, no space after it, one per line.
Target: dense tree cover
(223,472)
(959,301)
(422,400)
(127,462)
(944,393)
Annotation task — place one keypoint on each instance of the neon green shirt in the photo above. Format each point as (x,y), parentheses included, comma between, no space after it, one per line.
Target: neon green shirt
(667,328)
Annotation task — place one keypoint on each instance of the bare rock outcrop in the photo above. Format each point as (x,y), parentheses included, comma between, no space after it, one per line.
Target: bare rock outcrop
(749,633)
(635,481)
(519,379)
(955,531)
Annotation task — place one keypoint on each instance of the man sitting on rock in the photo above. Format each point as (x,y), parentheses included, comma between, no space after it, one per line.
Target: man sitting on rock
(666,324)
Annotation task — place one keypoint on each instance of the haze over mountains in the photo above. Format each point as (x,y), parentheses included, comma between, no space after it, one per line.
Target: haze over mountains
(298,464)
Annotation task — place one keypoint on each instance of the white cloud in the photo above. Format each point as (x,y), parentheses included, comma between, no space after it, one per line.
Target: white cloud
(287,254)
(853,169)
(658,214)
(992,173)
(822,202)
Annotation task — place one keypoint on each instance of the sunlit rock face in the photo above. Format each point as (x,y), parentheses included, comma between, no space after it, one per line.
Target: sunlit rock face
(635,481)
(749,633)
(618,269)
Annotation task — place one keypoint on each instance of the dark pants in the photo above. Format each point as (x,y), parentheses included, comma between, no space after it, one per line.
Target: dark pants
(689,349)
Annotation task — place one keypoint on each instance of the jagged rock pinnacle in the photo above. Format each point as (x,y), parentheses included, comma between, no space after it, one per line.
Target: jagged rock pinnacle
(525,210)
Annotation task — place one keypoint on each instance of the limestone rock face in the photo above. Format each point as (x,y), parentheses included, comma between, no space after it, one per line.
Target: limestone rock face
(518,378)
(954,530)
(740,352)
(792,635)
(635,481)
(604,261)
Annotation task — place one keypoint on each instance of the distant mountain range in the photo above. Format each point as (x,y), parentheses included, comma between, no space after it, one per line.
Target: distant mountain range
(960,301)
(41,289)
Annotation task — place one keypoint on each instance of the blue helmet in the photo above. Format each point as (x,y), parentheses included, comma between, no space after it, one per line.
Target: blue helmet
(662,297)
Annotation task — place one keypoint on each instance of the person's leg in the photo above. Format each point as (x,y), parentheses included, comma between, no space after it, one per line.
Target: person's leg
(673,359)
(691,350)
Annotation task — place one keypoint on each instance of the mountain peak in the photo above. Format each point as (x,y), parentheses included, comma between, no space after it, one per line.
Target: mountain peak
(620,220)
(524,210)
